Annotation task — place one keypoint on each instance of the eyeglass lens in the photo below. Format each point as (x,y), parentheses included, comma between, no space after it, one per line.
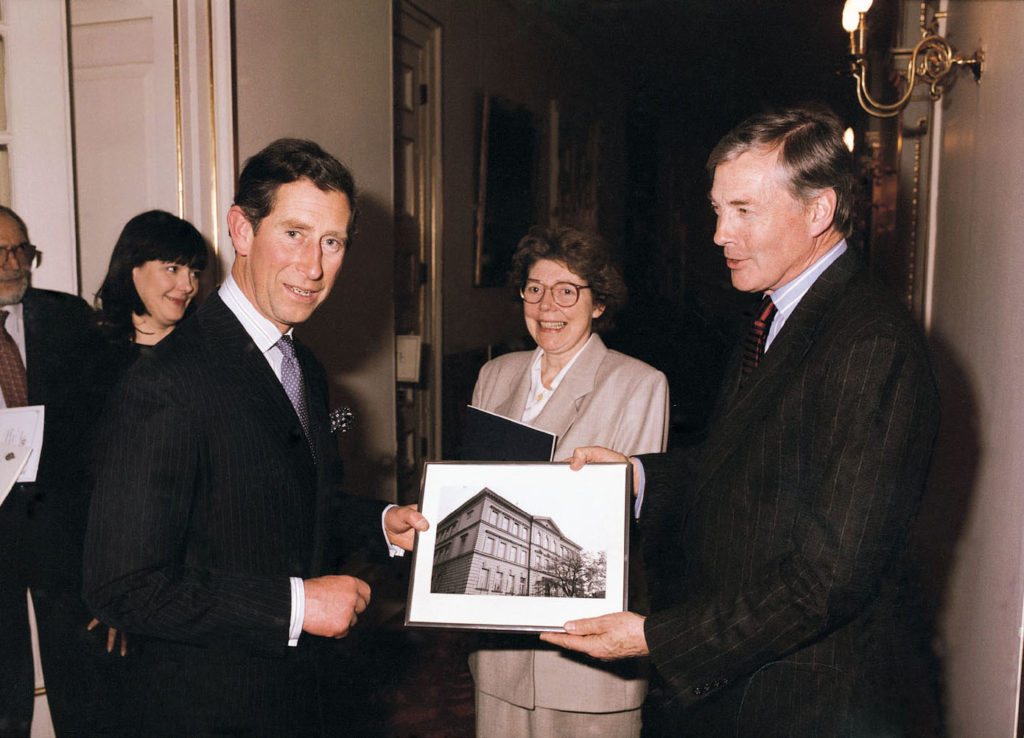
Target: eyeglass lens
(565,294)
(22,252)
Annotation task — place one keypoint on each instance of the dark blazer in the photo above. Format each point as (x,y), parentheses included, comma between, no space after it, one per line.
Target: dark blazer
(775,551)
(42,524)
(207,500)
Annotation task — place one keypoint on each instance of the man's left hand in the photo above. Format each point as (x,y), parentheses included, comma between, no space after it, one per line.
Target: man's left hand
(401,524)
(619,635)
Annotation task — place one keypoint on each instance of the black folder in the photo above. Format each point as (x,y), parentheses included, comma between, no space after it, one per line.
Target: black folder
(490,437)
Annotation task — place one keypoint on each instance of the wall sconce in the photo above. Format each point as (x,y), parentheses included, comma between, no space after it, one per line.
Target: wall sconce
(931,61)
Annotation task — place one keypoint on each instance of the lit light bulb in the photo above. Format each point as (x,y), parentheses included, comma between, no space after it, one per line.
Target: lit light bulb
(848,139)
(852,12)
(851,15)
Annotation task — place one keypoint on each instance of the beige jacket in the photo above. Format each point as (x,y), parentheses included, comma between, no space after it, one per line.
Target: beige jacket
(606,399)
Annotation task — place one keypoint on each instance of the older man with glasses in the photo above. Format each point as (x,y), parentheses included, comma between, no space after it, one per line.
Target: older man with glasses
(46,348)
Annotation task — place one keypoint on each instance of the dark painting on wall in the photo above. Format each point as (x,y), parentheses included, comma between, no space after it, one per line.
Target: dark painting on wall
(506,195)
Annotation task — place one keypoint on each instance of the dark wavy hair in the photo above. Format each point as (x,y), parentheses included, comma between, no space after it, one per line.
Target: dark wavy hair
(584,254)
(289,160)
(155,235)
(811,151)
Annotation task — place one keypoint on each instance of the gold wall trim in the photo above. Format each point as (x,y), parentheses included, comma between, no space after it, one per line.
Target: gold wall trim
(179,153)
(214,199)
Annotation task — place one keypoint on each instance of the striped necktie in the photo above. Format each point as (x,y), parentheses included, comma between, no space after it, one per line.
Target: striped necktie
(753,343)
(13,382)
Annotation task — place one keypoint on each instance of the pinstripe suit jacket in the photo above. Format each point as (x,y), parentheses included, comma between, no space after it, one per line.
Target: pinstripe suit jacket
(775,551)
(207,500)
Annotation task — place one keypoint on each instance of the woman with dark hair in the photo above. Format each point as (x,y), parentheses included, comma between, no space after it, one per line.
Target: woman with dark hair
(573,386)
(152,278)
(148,290)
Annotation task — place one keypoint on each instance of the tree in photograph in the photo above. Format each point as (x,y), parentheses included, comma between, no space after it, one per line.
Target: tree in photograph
(596,572)
(574,575)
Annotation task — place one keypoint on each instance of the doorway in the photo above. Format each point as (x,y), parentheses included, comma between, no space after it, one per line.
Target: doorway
(417,271)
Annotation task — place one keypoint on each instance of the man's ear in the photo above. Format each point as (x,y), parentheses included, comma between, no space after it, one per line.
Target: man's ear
(821,212)
(240,230)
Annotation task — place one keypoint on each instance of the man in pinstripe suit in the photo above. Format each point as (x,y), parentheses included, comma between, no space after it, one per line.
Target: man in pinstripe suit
(776,549)
(216,526)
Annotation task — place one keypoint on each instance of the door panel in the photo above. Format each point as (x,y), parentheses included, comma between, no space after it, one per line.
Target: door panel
(417,230)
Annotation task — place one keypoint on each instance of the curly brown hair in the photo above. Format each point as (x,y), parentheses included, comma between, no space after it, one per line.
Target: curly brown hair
(584,254)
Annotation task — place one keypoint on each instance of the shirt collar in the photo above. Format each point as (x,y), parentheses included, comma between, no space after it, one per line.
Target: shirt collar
(789,295)
(535,368)
(263,332)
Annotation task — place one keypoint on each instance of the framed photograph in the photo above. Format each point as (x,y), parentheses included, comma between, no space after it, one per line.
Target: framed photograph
(520,546)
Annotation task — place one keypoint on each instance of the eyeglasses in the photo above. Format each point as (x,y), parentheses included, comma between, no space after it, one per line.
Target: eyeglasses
(24,254)
(565,294)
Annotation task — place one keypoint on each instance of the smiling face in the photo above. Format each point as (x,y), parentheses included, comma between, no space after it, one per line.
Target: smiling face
(560,331)
(288,267)
(767,235)
(165,289)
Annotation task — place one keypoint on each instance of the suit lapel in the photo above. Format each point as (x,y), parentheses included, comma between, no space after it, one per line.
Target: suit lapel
(753,398)
(515,402)
(37,349)
(562,409)
(319,428)
(233,354)
(232,351)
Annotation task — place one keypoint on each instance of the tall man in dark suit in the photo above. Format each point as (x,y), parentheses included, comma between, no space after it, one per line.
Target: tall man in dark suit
(775,551)
(46,341)
(216,523)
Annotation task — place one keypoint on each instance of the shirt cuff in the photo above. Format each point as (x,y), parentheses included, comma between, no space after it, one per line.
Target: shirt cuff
(641,478)
(298,611)
(393,550)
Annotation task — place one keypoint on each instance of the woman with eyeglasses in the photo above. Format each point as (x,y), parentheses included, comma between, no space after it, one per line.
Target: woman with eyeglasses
(571,385)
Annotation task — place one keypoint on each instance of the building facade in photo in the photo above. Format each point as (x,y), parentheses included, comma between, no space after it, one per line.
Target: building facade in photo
(488,546)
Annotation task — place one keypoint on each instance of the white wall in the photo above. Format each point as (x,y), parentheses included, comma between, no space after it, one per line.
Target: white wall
(977,304)
(125,152)
(38,135)
(321,69)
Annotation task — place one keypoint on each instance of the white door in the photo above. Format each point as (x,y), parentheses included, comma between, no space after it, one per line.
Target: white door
(152,92)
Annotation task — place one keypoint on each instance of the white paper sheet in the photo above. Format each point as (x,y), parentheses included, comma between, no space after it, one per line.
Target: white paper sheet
(21,427)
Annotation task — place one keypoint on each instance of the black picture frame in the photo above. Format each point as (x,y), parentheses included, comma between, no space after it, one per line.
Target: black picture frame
(520,546)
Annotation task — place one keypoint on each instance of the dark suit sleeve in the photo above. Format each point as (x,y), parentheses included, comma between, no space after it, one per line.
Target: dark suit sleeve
(143,540)
(847,447)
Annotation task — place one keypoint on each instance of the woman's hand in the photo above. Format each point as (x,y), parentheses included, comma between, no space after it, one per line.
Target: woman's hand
(111,637)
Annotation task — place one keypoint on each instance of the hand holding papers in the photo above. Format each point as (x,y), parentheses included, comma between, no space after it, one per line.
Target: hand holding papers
(21,441)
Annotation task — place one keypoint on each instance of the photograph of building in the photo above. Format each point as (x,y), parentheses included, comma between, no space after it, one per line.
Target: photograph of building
(489,546)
